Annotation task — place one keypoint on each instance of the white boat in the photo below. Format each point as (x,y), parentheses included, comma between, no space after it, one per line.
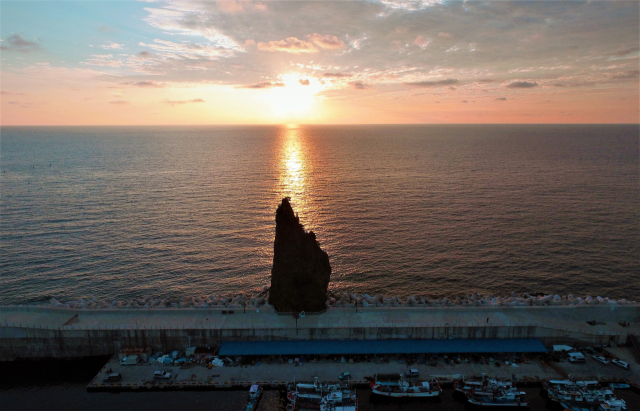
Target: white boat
(619,386)
(403,388)
(493,383)
(613,404)
(511,397)
(339,401)
(255,392)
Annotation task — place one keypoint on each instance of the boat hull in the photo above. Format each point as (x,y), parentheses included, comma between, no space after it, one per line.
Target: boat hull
(392,394)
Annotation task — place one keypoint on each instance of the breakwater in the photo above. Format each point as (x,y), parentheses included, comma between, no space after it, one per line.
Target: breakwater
(38,332)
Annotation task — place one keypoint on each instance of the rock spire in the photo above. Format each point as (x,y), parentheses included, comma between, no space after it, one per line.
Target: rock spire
(301,270)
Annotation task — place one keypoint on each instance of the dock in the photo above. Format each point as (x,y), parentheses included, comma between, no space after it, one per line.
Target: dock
(276,376)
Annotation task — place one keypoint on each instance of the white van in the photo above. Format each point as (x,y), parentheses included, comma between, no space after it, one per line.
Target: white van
(576,357)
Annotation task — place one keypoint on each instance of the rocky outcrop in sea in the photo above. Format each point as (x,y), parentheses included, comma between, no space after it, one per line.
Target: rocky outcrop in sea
(301,270)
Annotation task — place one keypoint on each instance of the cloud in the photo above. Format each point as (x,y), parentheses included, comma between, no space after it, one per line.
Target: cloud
(145,54)
(358,85)
(119,102)
(486,81)
(188,50)
(337,75)
(111,46)
(627,75)
(105,29)
(289,45)
(325,41)
(501,98)
(174,102)
(227,6)
(263,85)
(304,82)
(147,84)
(444,34)
(10,93)
(434,83)
(18,43)
(421,42)
(624,53)
(522,84)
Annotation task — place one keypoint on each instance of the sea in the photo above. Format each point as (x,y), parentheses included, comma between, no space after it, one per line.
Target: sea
(426,210)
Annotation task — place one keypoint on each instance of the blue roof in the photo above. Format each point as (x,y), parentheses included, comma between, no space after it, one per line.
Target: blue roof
(317,347)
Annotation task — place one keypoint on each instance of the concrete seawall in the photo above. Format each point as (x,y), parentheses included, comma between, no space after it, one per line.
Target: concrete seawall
(38,332)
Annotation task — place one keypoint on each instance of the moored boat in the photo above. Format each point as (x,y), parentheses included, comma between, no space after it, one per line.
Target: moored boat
(404,388)
(479,382)
(500,397)
(255,393)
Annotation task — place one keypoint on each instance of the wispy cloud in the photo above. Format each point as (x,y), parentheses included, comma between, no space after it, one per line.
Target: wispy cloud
(119,102)
(187,50)
(337,75)
(263,85)
(522,84)
(304,82)
(111,46)
(177,102)
(433,83)
(147,84)
(16,42)
(325,41)
(289,45)
(358,85)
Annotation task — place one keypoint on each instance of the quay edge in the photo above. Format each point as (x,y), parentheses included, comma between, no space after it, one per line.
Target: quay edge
(42,332)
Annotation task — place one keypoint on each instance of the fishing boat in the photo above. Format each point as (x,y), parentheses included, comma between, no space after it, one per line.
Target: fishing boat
(404,388)
(580,396)
(340,401)
(570,382)
(511,397)
(478,382)
(613,404)
(255,393)
(313,396)
(619,386)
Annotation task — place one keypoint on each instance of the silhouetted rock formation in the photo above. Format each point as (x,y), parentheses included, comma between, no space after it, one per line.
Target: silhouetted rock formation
(301,269)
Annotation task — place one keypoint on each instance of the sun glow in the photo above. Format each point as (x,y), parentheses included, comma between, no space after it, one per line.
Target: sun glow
(296,99)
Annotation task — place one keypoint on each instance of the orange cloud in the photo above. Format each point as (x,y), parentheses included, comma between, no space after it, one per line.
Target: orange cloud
(325,41)
(289,45)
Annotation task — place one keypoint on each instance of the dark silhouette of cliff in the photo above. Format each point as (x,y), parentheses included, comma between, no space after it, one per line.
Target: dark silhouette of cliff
(301,269)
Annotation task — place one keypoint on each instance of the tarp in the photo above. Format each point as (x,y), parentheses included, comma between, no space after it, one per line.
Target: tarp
(353,347)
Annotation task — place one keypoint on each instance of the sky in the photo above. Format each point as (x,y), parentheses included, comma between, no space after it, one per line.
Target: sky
(318,62)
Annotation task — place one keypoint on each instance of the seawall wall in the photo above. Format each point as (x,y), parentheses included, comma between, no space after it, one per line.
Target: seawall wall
(28,332)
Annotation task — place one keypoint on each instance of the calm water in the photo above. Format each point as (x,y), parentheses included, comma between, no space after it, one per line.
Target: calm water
(121,212)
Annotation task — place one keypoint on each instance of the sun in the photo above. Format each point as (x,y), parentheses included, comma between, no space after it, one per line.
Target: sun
(297,98)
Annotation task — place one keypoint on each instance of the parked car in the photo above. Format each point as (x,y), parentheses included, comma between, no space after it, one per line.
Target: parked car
(113,377)
(576,357)
(600,359)
(621,363)
(162,375)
